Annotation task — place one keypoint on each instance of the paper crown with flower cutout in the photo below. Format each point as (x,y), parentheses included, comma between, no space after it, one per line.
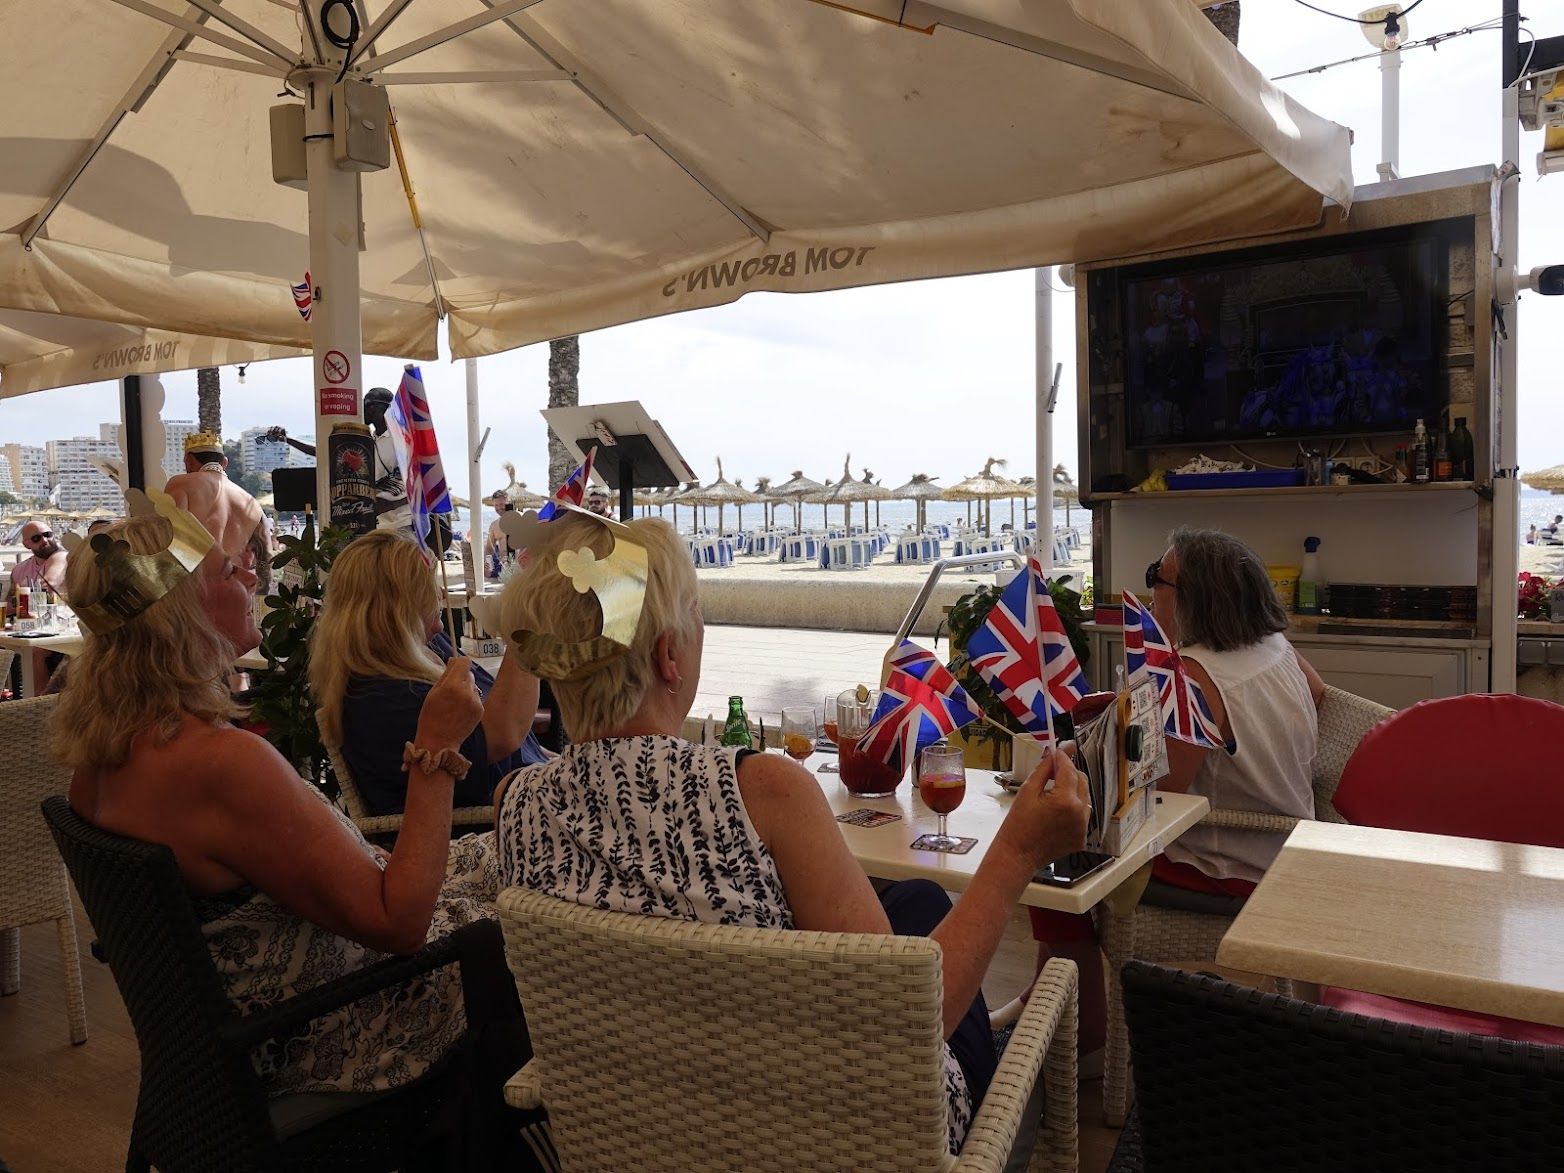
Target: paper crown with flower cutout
(617,579)
(136,581)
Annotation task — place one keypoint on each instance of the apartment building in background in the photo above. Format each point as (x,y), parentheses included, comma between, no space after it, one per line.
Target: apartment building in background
(82,486)
(28,477)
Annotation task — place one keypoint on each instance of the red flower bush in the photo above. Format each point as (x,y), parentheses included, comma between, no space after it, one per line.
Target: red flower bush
(1533,596)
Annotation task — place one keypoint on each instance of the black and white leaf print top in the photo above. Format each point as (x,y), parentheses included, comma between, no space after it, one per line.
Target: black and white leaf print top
(654,825)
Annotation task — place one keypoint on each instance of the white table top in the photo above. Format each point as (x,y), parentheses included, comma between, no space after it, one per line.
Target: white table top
(68,644)
(1467,923)
(885,851)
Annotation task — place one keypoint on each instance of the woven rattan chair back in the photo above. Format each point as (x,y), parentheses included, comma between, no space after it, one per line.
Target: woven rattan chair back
(1344,720)
(1228,1077)
(33,888)
(352,800)
(32,878)
(188,1114)
(673,1045)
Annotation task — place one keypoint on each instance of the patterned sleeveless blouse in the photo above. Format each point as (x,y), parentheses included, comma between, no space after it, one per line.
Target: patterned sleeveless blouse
(655,826)
(264,953)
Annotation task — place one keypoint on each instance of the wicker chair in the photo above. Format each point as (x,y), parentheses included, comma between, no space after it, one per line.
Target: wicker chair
(1193,932)
(33,887)
(475,818)
(201,1105)
(1229,1077)
(674,1045)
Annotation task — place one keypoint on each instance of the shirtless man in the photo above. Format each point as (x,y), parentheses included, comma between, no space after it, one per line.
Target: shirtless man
(230,514)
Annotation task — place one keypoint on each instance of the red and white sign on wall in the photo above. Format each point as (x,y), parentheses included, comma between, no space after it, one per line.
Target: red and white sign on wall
(339,401)
(335,367)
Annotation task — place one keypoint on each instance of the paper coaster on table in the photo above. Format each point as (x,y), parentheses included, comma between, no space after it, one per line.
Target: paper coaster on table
(867,817)
(961,846)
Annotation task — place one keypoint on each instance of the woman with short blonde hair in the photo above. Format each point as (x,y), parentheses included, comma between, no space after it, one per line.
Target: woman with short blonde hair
(606,699)
(375,652)
(632,817)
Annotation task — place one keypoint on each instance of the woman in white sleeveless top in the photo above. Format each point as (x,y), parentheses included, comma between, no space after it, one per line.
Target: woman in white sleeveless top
(1213,599)
(631,817)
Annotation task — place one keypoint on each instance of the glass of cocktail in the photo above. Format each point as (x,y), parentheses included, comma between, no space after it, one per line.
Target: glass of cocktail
(798,731)
(862,774)
(828,722)
(942,784)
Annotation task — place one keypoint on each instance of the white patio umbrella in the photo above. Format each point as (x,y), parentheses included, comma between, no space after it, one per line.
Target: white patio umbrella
(673,158)
(921,489)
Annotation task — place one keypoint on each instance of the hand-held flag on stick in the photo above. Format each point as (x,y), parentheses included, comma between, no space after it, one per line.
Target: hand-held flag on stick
(920,704)
(573,490)
(1147,651)
(1023,653)
(423,473)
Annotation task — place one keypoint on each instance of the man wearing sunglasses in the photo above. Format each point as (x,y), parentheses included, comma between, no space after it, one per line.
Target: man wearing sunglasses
(45,567)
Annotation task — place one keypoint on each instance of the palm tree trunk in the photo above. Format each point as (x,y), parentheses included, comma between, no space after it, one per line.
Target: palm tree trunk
(209,401)
(564,390)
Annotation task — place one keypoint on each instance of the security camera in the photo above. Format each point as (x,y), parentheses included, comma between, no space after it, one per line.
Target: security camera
(1547,280)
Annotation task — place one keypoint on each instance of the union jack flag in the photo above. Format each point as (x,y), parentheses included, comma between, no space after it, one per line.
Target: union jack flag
(1024,654)
(920,703)
(304,297)
(1185,714)
(573,490)
(423,472)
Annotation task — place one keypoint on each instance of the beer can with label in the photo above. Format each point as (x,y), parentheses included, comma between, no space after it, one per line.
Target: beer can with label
(351,452)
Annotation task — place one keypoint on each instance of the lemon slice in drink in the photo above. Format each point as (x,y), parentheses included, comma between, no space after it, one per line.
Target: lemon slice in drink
(863,694)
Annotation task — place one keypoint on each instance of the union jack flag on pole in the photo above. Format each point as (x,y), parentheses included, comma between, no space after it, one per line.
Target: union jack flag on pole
(1147,651)
(574,489)
(423,473)
(920,704)
(304,297)
(1023,653)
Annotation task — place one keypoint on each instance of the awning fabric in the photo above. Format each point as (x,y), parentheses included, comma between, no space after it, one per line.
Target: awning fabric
(40,351)
(630,158)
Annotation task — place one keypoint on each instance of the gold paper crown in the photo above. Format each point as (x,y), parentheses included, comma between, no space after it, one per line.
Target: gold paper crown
(618,579)
(136,581)
(203,442)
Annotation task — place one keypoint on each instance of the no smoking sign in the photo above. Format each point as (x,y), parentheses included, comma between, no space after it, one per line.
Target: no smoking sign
(335,368)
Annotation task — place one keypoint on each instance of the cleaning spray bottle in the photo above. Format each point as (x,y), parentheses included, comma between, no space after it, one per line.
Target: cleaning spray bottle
(1311,582)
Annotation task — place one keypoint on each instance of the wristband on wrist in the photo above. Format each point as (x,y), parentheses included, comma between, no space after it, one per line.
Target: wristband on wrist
(430,762)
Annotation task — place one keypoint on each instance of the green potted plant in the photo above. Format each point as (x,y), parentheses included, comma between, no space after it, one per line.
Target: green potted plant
(988,742)
(280,697)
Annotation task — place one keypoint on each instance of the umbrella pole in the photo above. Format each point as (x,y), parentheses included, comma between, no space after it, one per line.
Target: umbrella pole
(335,325)
(475,537)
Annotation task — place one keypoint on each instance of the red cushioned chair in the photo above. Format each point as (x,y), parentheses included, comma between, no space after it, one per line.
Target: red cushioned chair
(1480,767)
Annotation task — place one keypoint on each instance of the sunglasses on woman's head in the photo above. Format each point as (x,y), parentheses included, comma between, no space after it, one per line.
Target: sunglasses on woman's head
(1154,577)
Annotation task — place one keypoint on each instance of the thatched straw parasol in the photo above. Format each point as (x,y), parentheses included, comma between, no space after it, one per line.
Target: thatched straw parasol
(986,486)
(846,492)
(721,493)
(1551,479)
(922,490)
(795,492)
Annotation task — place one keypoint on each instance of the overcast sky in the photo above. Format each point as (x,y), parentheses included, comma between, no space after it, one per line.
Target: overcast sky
(931,376)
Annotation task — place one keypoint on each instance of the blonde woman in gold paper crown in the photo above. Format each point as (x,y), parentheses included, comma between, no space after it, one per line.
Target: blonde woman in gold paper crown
(631,817)
(289,893)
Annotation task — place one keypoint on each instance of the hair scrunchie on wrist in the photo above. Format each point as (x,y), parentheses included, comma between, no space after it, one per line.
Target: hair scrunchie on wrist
(430,762)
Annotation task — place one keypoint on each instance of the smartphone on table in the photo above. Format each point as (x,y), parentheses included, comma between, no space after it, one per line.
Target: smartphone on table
(1069,870)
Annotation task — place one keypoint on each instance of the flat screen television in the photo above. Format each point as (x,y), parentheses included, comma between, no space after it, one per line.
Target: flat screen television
(1339,337)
